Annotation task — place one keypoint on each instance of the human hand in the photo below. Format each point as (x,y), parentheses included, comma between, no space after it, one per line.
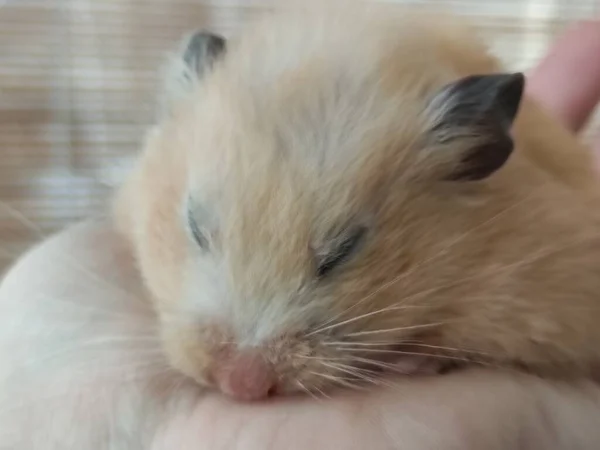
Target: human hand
(567,80)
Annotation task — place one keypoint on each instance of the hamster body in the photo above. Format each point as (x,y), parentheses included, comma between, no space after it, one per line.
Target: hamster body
(330,196)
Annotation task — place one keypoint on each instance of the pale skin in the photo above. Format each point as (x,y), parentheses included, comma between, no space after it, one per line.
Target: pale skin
(469,410)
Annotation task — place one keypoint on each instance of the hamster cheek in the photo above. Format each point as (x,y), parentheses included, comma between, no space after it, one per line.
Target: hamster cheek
(194,329)
(185,350)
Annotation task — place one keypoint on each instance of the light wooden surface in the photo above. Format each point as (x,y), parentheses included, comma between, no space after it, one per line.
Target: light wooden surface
(77,82)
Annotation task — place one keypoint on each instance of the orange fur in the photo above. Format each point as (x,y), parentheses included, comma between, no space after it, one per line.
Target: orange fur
(314,121)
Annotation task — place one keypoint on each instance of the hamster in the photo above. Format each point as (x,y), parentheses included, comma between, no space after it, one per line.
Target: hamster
(334,195)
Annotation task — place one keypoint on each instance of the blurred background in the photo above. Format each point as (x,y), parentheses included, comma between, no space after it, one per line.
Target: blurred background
(78,81)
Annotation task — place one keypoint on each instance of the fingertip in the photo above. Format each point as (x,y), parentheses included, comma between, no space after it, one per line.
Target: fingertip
(567,80)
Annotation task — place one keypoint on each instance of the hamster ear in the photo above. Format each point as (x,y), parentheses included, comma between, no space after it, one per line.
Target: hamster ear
(476,114)
(196,56)
(201,50)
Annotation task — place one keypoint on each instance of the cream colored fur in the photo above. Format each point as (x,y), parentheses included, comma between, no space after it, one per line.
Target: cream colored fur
(316,121)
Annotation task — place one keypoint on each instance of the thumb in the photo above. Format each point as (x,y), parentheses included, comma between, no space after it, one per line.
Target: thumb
(567,80)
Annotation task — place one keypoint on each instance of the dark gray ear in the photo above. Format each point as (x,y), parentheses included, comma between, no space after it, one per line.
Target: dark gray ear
(196,57)
(201,50)
(480,110)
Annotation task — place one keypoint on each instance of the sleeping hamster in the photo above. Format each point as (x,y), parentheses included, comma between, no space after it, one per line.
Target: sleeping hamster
(332,196)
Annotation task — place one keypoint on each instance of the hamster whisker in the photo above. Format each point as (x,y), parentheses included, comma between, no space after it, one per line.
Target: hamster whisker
(411,353)
(64,257)
(367,347)
(453,243)
(322,393)
(545,252)
(369,296)
(23,220)
(538,255)
(395,343)
(394,352)
(327,376)
(392,330)
(382,365)
(363,316)
(359,344)
(306,390)
(319,358)
(341,381)
(469,232)
(440,287)
(356,372)
(440,347)
(98,280)
(510,267)
(351,370)
(400,306)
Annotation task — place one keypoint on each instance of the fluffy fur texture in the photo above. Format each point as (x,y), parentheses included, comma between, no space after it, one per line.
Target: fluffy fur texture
(315,123)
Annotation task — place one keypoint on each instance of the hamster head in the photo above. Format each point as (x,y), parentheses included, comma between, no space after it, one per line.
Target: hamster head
(296,212)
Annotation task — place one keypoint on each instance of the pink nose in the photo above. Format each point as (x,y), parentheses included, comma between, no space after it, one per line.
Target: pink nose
(246,376)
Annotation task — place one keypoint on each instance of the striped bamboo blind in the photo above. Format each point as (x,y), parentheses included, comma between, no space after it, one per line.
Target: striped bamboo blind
(77,83)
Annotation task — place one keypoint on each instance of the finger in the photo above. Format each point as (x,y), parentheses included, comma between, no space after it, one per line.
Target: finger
(567,81)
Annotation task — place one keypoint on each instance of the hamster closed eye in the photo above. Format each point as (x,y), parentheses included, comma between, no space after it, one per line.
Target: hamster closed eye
(326,201)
